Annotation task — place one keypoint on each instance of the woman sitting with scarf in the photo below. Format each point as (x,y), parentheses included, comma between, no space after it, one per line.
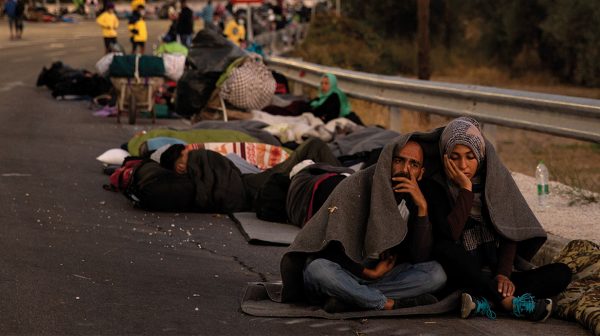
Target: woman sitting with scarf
(331,103)
(483,226)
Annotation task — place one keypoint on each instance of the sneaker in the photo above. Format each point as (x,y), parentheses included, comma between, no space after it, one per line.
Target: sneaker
(527,306)
(475,306)
(419,300)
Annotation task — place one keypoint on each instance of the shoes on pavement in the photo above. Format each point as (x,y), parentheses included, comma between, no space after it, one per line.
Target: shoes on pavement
(475,306)
(527,306)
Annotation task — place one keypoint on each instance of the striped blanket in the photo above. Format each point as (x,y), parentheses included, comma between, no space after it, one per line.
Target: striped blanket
(263,156)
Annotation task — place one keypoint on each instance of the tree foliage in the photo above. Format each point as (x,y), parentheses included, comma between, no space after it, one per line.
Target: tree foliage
(562,36)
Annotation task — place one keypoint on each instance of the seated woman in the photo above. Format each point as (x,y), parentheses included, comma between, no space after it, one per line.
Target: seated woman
(331,103)
(482,225)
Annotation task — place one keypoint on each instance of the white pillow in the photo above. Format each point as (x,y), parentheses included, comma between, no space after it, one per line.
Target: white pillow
(114,156)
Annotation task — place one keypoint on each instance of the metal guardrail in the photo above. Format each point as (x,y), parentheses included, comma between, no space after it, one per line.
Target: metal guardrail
(571,117)
(281,41)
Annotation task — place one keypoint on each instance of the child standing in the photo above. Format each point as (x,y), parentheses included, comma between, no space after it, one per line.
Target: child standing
(109,23)
(139,33)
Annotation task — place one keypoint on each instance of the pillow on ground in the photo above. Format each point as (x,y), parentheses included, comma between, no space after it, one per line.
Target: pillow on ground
(114,156)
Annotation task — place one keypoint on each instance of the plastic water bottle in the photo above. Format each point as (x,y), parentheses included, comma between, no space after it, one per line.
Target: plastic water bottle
(541,178)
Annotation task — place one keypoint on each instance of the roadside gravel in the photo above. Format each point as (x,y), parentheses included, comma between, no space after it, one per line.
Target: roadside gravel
(577,221)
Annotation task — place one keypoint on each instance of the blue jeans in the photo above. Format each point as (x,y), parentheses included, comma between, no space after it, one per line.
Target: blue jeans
(323,278)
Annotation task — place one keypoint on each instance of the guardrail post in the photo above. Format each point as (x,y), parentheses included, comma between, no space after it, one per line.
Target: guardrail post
(395,119)
(296,88)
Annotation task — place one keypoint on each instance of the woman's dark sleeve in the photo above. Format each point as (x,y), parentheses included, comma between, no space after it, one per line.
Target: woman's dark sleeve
(447,222)
(506,257)
(330,109)
(460,213)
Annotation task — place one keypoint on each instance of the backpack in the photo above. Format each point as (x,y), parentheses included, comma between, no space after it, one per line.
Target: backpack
(120,179)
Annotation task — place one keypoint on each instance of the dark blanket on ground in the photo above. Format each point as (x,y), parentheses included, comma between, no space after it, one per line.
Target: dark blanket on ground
(366,200)
(302,190)
(158,189)
(218,183)
(313,149)
(66,81)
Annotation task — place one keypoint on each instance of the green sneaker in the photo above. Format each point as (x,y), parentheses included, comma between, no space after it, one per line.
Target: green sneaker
(475,306)
(527,306)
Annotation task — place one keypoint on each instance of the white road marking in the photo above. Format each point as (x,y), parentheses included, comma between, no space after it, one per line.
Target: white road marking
(9,86)
(54,46)
(22,59)
(14,175)
(56,54)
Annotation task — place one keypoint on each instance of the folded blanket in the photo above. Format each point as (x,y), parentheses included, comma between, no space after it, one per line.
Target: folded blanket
(581,300)
(261,155)
(125,66)
(137,144)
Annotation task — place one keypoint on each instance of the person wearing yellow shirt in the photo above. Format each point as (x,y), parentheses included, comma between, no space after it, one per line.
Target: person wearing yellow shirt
(136,3)
(138,30)
(109,22)
(235,31)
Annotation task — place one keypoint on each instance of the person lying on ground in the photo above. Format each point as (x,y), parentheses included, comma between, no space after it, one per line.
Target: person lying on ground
(221,187)
(369,245)
(310,185)
(483,225)
(330,103)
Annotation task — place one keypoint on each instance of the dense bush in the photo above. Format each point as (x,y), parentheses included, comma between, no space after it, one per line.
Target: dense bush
(557,36)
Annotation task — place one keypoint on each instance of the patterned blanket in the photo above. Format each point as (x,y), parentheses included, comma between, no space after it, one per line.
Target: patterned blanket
(263,156)
(581,299)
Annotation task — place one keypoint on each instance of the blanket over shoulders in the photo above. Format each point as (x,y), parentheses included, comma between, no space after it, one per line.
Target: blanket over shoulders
(361,217)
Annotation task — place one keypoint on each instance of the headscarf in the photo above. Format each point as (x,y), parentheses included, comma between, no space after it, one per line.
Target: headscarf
(345,107)
(463,131)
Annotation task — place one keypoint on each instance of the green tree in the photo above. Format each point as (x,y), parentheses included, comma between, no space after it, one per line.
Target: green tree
(571,40)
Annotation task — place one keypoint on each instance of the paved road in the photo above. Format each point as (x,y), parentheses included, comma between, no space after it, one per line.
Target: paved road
(75,259)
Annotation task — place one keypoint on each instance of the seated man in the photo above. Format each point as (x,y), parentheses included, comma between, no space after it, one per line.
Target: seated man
(368,246)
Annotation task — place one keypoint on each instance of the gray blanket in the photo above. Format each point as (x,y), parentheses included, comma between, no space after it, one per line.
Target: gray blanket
(361,214)
(258,300)
(362,140)
(253,128)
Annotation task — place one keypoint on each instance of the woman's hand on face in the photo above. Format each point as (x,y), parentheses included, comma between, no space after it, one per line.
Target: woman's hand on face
(505,286)
(455,175)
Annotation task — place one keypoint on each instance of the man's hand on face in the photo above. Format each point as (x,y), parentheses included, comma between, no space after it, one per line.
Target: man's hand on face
(408,184)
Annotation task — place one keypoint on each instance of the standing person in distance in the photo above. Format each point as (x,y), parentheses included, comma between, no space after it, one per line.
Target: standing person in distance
(109,23)
(138,30)
(185,24)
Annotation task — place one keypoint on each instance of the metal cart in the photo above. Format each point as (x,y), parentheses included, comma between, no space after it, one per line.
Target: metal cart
(136,94)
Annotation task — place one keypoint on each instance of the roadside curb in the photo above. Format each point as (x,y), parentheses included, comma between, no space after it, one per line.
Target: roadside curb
(549,250)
